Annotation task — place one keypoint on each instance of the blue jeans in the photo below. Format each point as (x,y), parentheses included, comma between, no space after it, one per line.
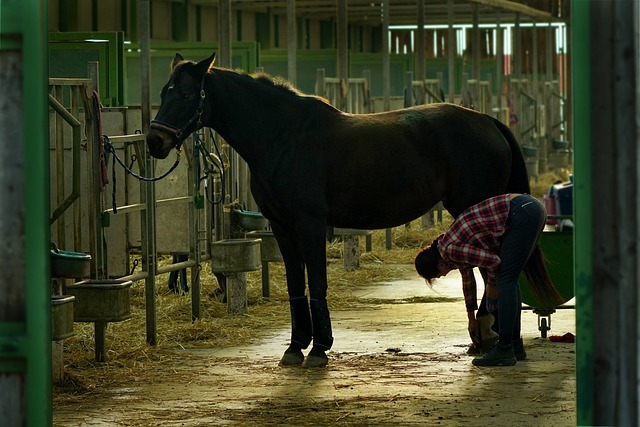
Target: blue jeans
(524,225)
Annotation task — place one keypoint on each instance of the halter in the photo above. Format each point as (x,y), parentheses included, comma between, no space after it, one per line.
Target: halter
(177,132)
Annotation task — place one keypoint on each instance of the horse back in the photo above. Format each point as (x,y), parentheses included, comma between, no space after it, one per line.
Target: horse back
(416,157)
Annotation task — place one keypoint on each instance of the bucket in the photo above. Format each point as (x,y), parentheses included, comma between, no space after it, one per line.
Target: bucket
(249,220)
(73,265)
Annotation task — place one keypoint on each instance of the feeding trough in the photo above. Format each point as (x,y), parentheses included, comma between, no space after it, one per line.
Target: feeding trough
(233,258)
(230,256)
(269,249)
(269,252)
(75,265)
(61,316)
(101,301)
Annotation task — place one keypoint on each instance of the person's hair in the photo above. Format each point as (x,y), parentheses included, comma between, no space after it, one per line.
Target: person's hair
(427,262)
(540,283)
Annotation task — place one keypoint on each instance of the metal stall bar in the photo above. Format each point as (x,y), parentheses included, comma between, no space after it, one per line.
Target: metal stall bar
(25,306)
(195,253)
(147,189)
(75,150)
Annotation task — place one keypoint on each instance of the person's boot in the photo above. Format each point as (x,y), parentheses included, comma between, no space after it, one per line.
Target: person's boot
(301,332)
(518,349)
(499,355)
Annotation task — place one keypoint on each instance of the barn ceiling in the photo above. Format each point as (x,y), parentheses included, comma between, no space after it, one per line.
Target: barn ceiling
(403,12)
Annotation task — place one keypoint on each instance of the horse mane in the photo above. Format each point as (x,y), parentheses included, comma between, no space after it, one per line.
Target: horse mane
(280,84)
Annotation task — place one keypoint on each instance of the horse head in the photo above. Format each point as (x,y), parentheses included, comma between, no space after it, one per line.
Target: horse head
(182,106)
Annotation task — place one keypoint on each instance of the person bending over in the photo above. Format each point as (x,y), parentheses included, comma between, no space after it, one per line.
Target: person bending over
(499,235)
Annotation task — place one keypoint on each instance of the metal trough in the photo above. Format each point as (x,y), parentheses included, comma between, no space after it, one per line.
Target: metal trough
(61,316)
(101,300)
(231,256)
(269,252)
(269,249)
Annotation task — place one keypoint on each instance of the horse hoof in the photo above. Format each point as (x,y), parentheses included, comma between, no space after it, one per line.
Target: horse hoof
(315,359)
(315,362)
(292,358)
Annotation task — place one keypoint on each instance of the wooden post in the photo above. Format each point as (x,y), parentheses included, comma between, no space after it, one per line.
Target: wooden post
(420,46)
(612,163)
(499,64)
(451,46)
(236,293)
(292,38)
(223,58)
(351,256)
(343,60)
(476,43)
(25,302)
(12,254)
(386,59)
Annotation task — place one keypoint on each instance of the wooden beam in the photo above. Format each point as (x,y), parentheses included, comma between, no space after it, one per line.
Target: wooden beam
(518,8)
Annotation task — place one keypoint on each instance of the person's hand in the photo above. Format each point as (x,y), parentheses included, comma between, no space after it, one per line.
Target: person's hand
(474,329)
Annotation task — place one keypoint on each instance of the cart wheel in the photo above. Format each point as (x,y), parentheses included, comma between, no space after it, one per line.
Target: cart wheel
(543,327)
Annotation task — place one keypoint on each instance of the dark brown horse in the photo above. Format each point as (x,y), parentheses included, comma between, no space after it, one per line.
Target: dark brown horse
(313,166)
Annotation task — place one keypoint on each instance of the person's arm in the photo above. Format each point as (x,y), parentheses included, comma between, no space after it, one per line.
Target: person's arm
(469,288)
(471,302)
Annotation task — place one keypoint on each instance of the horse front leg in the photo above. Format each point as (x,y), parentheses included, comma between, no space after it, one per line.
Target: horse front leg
(314,249)
(301,326)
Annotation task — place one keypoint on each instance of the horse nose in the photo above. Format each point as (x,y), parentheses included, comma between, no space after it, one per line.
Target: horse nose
(155,144)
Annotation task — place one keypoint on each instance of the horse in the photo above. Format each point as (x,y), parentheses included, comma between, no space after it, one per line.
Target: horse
(314,166)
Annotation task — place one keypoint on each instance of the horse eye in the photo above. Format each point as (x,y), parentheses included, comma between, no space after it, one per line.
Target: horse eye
(170,88)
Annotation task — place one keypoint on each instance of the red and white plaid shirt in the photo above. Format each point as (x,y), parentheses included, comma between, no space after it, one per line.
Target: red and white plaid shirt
(473,240)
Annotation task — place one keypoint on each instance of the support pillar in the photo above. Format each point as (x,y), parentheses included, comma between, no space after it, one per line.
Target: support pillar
(25,305)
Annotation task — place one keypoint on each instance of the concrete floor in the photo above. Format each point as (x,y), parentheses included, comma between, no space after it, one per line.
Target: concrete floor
(399,358)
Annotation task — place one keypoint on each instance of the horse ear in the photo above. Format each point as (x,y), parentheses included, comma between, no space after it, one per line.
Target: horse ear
(176,60)
(207,64)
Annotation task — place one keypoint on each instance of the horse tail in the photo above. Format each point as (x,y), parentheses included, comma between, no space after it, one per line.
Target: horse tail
(535,270)
(518,178)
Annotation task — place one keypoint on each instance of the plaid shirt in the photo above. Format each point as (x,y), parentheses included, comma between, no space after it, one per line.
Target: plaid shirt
(473,240)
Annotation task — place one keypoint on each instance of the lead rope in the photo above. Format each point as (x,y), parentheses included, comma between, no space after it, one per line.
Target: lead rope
(109,148)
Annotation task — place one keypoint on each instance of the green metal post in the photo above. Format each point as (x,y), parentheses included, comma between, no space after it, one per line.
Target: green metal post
(581,77)
(25,339)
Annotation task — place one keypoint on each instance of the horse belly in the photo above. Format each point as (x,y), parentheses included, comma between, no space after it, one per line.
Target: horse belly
(379,201)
